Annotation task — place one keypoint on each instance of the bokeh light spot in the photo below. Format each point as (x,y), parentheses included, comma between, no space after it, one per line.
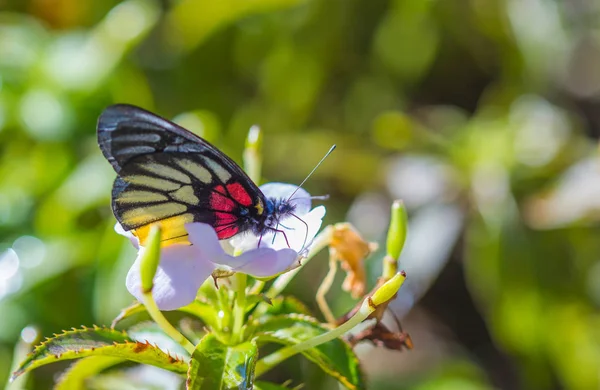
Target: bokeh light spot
(29,334)
(43,115)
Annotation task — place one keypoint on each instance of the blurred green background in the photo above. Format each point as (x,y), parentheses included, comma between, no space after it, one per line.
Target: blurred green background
(483,115)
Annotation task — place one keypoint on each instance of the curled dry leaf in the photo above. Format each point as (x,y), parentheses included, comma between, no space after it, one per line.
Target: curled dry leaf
(350,249)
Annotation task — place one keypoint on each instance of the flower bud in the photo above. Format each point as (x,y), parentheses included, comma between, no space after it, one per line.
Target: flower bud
(395,238)
(150,259)
(388,290)
(252,153)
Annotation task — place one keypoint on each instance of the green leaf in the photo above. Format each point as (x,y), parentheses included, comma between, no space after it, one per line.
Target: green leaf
(136,378)
(128,312)
(74,378)
(149,331)
(287,305)
(216,366)
(79,343)
(254,299)
(336,357)
(205,312)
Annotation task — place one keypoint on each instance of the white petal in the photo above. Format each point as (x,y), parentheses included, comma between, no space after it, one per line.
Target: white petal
(244,241)
(296,232)
(205,240)
(180,274)
(263,262)
(299,234)
(134,240)
(301,198)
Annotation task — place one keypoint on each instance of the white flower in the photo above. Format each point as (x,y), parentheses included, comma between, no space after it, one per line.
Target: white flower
(183,268)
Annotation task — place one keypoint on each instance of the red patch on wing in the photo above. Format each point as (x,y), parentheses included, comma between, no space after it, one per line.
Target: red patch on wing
(227,232)
(218,201)
(237,192)
(224,218)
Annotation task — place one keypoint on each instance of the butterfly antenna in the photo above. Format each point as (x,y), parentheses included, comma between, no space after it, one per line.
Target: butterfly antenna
(317,197)
(305,225)
(313,171)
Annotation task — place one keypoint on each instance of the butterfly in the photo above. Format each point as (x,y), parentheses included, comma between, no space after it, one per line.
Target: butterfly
(168,175)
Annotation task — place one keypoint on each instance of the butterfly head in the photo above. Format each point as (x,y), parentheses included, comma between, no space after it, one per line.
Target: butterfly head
(276,210)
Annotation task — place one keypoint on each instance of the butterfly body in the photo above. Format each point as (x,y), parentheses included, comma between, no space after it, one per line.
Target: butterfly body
(170,176)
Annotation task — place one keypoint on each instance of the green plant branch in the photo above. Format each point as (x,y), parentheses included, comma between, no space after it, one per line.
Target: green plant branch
(257,287)
(270,361)
(224,310)
(369,305)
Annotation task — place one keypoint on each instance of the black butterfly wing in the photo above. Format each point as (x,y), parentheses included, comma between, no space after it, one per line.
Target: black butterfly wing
(169,175)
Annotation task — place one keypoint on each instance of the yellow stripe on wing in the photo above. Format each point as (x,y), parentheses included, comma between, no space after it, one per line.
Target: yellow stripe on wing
(144,215)
(166,171)
(138,196)
(152,182)
(222,173)
(197,170)
(185,194)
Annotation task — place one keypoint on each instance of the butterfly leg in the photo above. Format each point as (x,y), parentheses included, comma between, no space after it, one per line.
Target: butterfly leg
(284,236)
(260,240)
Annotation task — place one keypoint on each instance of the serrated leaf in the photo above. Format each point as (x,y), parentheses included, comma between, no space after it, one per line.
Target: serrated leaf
(336,357)
(203,311)
(149,331)
(76,375)
(79,343)
(216,366)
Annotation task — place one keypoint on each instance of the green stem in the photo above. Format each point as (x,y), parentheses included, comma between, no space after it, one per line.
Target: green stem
(270,361)
(390,267)
(225,309)
(239,310)
(165,325)
(257,287)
